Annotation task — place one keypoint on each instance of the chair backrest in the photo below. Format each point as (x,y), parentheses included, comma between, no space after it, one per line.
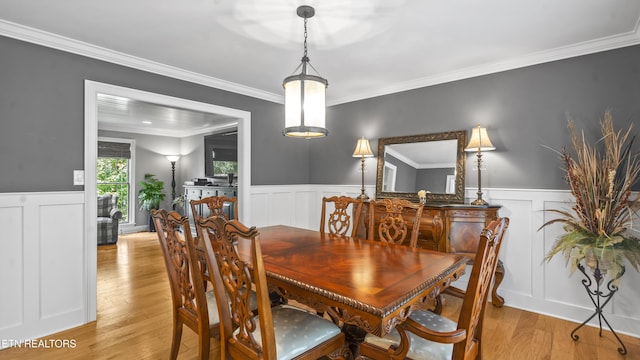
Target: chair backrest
(477,294)
(392,226)
(346,214)
(233,277)
(215,206)
(187,286)
(107,202)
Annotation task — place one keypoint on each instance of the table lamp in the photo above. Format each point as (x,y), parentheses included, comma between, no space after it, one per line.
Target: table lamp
(362,151)
(479,142)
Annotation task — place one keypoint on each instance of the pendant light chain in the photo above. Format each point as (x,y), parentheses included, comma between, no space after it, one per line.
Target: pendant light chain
(305,40)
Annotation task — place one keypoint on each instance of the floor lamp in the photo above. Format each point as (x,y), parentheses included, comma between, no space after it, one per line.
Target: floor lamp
(363,150)
(173,159)
(479,142)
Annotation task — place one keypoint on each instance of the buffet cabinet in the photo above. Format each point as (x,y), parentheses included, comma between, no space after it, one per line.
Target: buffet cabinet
(194,192)
(451,228)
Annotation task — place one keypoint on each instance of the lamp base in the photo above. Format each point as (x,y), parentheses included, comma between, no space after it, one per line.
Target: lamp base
(363,196)
(479,201)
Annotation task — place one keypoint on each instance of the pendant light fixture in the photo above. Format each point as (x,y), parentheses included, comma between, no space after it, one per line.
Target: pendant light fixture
(304,95)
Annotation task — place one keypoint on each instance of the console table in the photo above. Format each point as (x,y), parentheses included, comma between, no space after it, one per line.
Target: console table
(454,229)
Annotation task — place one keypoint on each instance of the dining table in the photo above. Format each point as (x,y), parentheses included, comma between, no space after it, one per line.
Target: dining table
(368,286)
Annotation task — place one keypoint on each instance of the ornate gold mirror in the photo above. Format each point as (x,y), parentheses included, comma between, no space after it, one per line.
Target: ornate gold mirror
(430,162)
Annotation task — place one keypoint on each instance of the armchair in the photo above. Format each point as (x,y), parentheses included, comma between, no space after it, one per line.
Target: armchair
(108,219)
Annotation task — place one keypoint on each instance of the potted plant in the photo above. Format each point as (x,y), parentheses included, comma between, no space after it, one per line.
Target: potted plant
(151,194)
(600,177)
(598,230)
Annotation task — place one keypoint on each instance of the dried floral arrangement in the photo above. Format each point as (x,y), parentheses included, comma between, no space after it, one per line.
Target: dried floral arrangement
(600,177)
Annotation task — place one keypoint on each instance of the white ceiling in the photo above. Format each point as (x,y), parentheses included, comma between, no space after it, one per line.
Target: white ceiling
(118,113)
(364,48)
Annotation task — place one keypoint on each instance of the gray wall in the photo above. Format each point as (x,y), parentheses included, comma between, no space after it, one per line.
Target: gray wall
(523,109)
(42,118)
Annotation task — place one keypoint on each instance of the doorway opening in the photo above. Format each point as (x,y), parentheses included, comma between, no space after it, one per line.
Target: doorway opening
(92,89)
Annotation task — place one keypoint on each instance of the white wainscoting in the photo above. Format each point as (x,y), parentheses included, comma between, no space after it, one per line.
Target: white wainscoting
(45,276)
(530,283)
(42,262)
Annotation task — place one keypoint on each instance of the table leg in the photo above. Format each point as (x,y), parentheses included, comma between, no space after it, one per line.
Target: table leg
(497,300)
(354,336)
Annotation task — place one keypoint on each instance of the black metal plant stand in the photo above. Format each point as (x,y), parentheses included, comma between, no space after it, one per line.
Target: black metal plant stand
(599,300)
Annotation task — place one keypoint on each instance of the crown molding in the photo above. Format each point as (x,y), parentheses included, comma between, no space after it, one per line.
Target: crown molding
(584,48)
(54,41)
(39,37)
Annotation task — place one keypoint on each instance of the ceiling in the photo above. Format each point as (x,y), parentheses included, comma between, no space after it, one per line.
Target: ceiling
(125,114)
(364,48)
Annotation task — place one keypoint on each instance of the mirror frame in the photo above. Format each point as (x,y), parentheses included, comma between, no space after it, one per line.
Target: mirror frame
(455,198)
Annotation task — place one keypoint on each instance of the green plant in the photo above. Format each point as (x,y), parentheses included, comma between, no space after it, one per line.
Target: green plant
(151,193)
(179,201)
(600,177)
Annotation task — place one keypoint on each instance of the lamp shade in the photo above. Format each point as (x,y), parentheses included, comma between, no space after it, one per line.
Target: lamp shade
(362,148)
(479,140)
(173,158)
(304,102)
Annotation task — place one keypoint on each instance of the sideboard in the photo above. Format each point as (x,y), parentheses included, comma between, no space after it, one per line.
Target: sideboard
(452,228)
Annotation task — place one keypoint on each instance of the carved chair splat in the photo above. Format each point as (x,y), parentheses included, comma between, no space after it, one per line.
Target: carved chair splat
(345,215)
(392,225)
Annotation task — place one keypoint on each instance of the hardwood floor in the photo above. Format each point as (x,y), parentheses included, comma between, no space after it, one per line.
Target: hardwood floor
(134,320)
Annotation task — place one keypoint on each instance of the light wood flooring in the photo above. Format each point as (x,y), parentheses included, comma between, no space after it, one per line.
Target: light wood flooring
(134,320)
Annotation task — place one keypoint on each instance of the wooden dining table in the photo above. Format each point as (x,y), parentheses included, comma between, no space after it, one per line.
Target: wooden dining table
(369,284)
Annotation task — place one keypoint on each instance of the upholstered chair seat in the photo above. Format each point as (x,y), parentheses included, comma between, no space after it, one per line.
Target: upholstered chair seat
(420,348)
(296,331)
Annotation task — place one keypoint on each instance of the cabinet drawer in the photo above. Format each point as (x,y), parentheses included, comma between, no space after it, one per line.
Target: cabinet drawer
(193,194)
(209,192)
(227,192)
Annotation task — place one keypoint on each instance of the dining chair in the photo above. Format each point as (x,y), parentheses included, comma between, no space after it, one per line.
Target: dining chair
(191,305)
(279,332)
(344,216)
(393,227)
(215,206)
(435,337)
(205,207)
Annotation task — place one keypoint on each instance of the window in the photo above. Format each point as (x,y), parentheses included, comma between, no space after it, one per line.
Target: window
(221,168)
(221,154)
(114,173)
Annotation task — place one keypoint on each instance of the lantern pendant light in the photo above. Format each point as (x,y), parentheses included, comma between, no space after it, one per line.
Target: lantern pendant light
(304,95)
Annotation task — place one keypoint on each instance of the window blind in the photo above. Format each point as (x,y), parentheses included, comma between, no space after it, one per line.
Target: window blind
(109,149)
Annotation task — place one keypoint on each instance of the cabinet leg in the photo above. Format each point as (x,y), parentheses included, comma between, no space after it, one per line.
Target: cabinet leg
(497,300)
